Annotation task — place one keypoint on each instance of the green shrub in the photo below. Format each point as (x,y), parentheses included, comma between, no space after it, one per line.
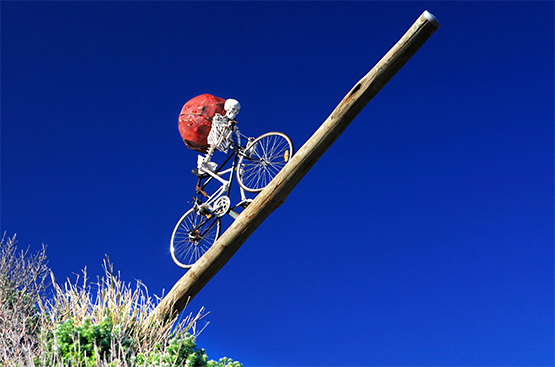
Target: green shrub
(87,344)
(178,352)
(77,327)
(224,362)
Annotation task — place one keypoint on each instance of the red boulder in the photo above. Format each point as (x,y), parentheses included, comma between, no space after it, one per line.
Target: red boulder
(195,120)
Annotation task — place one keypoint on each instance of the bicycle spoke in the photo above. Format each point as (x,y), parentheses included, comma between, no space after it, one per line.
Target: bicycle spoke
(268,155)
(193,236)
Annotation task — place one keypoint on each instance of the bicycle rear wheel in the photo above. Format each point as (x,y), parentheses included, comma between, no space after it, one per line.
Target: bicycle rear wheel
(264,158)
(193,235)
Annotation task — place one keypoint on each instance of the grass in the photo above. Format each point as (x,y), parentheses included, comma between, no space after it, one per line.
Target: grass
(106,323)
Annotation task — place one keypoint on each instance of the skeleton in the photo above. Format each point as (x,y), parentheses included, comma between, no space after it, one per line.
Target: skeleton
(216,138)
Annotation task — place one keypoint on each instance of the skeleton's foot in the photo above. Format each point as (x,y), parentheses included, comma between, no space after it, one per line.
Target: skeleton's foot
(203,166)
(208,166)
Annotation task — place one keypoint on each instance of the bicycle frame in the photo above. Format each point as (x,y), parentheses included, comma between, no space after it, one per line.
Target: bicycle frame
(253,164)
(220,175)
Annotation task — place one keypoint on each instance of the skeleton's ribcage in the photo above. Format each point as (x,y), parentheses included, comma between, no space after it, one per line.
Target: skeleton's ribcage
(215,137)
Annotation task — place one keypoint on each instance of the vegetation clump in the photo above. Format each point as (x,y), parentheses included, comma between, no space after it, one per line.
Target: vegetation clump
(73,327)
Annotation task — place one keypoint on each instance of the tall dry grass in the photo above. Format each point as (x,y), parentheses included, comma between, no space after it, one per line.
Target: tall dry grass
(31,322)
(23,280)
(127,307)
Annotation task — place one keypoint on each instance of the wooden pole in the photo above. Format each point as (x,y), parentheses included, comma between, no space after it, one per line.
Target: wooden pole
(277,191)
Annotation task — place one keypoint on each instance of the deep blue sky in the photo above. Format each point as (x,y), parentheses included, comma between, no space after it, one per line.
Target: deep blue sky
(423,237)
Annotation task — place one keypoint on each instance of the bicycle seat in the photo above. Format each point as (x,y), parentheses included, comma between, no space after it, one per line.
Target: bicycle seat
(195,172)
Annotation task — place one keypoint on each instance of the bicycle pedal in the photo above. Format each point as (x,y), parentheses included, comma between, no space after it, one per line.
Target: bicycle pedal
(244,204)
(204,209)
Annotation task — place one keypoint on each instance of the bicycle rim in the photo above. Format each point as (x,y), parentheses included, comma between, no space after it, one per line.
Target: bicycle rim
(192,236)
(266,156)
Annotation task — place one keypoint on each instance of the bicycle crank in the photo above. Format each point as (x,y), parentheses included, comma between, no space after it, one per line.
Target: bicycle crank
(221,206)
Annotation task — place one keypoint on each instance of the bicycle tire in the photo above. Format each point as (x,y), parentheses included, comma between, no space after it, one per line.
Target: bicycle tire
(192,236)
(266,156)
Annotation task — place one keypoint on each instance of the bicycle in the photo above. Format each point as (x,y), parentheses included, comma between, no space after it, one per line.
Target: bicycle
(254,164)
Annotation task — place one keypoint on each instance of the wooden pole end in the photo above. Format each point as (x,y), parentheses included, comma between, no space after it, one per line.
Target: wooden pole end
(430,18)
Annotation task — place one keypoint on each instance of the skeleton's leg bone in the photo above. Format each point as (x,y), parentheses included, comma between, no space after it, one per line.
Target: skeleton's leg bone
(204,164)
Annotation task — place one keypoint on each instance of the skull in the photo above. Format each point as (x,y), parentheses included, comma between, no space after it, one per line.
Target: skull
(232,108)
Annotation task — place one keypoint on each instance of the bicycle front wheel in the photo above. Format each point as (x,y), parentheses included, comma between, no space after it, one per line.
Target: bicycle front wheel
(263,159)
(193,235)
